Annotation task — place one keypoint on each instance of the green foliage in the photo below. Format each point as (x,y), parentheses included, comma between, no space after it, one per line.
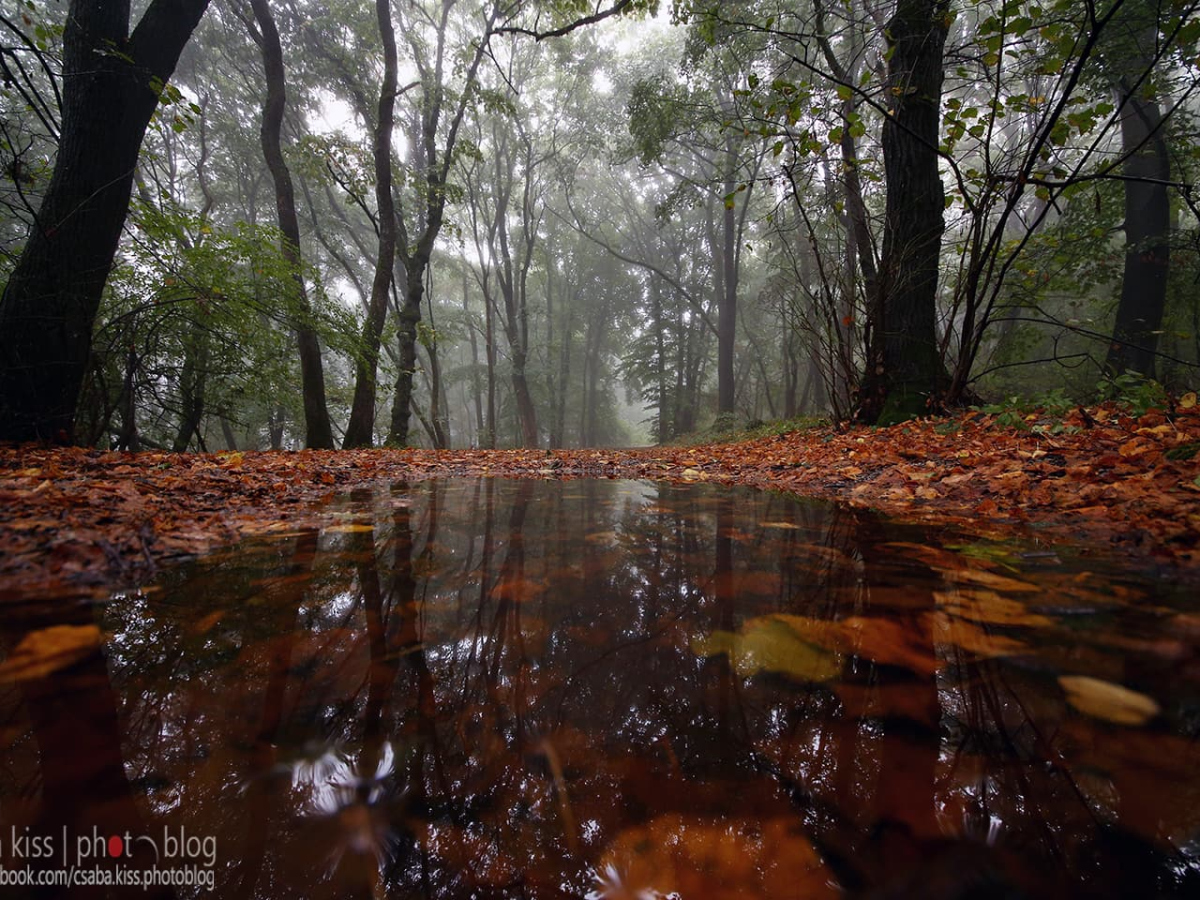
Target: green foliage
(1041,413)
(1133,391)
(727,429)
(196,309)
(654,106)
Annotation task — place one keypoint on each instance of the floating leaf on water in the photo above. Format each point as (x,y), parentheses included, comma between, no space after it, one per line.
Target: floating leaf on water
(687,856)
(988,606)
(349,528)
(1110,702)
(989,579)
(956,632)
(770,645)
(889,642)
(47,650)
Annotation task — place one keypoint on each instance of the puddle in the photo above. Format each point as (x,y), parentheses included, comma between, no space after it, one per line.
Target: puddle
(606,689)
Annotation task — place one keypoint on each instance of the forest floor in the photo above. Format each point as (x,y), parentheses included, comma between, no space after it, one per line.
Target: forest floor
(77,521)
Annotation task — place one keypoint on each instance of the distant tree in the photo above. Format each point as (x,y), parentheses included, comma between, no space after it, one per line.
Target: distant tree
(113,81)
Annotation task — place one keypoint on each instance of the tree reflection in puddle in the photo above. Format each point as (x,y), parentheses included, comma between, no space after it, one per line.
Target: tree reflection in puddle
(494,688)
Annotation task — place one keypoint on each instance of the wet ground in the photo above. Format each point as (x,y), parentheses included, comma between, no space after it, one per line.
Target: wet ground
(483,688)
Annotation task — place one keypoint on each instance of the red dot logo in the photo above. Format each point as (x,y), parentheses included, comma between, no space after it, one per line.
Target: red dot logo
(115,845)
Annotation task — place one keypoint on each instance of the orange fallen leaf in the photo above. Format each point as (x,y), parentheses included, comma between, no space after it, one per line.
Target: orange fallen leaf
(693,857)
(47,650)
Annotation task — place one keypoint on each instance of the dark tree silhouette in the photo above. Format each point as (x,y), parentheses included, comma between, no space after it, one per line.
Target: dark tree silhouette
(112,82)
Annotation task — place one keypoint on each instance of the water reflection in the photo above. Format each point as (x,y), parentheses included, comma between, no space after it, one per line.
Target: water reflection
(610,689)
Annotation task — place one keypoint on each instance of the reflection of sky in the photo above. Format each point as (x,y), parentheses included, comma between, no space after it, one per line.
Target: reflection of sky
(332,781)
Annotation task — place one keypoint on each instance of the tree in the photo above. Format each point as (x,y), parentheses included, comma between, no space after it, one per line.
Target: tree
(904,364)
(1147,171)
(361,427)
(112,82)
(319,434)
(438,127)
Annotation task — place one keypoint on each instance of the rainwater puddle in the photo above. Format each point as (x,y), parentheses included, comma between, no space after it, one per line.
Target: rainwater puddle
(605,689)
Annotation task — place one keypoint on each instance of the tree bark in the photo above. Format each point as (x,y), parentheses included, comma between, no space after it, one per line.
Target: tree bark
(318,433)
(360,429)
(1147,169)
(111,83)
(905,373)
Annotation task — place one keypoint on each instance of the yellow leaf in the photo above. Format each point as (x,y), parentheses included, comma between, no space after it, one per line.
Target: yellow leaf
(348,529)
(1110,702)
(771,644)
(988,606)
(47,650)
(1188,400)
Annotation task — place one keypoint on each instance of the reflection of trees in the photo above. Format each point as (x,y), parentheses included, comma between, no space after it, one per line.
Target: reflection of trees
(474,688)
(74,785)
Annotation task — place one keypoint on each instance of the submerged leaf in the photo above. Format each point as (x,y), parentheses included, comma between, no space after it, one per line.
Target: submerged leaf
(990,579)
(772,645)
(689,857)
(349,528)
(889,642)
(988,606)
(1108,701)
(47,650)
(957,632)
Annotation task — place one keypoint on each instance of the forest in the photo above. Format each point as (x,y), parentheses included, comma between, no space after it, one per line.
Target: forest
(600,449)
(281,224)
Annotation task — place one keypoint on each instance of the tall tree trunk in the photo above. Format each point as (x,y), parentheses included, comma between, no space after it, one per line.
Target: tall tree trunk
(490,352)
(476,381)
(410,318)
(559,437)
(111,80)
(360,429)
(192,381)
(1147,169)
(904,366)
(318,433)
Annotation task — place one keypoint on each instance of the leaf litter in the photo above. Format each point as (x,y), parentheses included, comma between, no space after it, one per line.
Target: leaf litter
(72,517)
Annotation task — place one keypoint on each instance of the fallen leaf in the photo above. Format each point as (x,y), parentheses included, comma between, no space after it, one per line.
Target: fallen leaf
(989,579)
(1110,702)
(955,632)
(47,650)
(988,606)
(691,857)
(889,642)
(771,644)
